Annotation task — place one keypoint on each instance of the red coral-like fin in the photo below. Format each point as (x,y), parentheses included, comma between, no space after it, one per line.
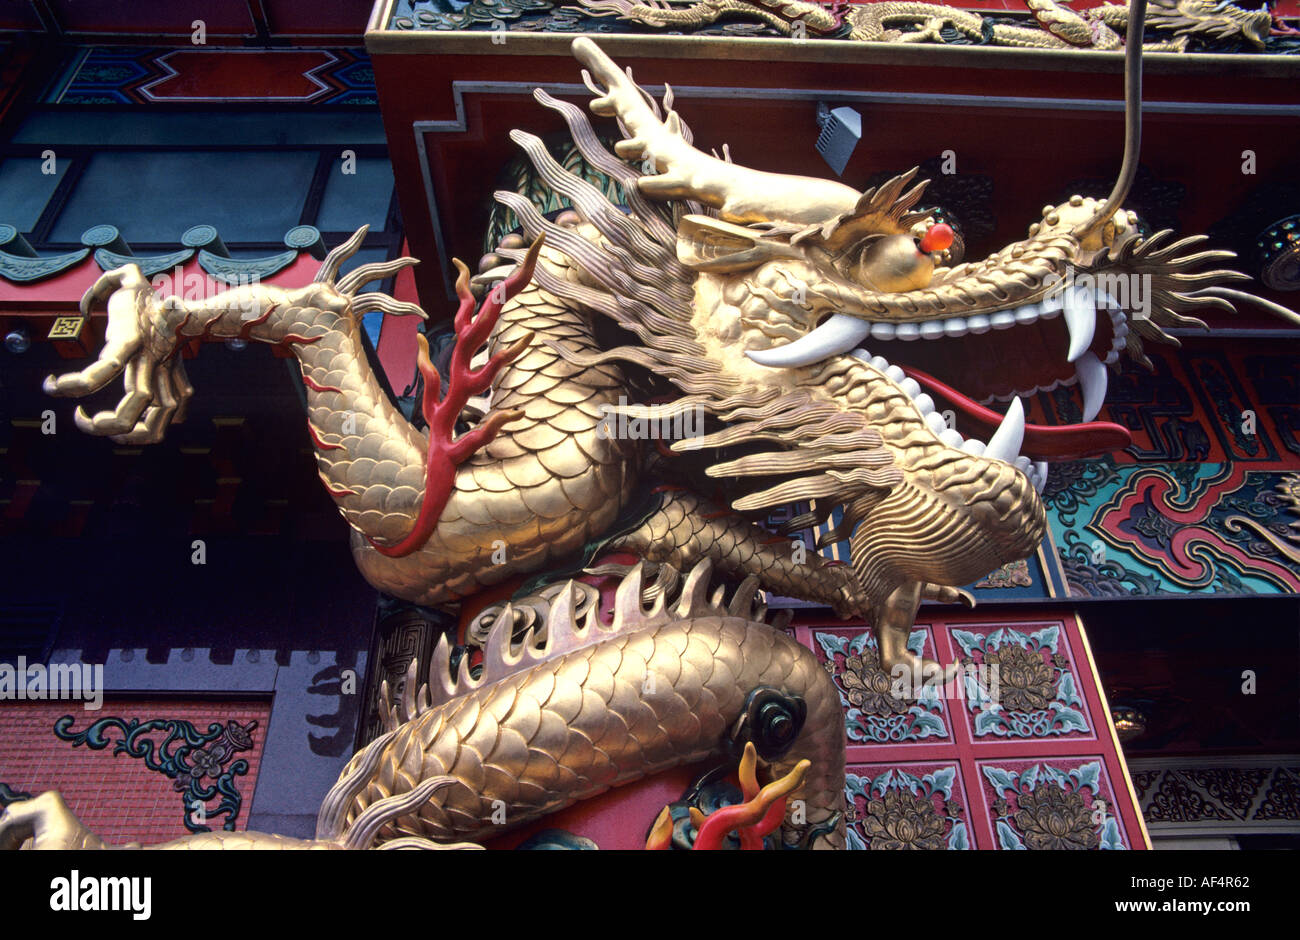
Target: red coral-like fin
(446,451)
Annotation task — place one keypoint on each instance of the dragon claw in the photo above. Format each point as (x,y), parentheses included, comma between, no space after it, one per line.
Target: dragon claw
(140,347)
(44,822)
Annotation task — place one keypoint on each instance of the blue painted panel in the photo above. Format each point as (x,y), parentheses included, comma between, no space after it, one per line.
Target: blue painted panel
(24,190)
(118,128)
(372,323)
(153,197)
(353,200)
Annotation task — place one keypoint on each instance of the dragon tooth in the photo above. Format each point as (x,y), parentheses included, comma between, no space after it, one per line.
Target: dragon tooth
(951,437)
(879,363)
(911,386)
(972,446)
(936,422)
(1112,356)
(862,354)
(1022,463)
(1051,305)
(931,329)
(924,403)
(1119,330)
(978,323)
(1028,313)
(895,374)
(1081,321)
(880,330)
(907,332)
(956,326)
(1093,380)
(1040,475)
(837,335)
(1006,440)
(1003,320)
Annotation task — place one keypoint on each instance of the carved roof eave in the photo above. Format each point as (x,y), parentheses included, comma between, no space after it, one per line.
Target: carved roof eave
(201,252)
(631,40)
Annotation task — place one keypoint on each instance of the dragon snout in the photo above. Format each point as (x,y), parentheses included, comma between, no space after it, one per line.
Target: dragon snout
(972,518)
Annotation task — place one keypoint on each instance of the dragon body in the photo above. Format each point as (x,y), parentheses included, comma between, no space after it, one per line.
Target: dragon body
(1102,27)
(741,295)
(593,707)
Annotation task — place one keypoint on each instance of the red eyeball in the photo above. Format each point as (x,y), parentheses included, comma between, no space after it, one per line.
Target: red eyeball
(937,239)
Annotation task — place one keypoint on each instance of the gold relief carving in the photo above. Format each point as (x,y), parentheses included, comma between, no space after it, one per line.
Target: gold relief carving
(66,327)
(741,295)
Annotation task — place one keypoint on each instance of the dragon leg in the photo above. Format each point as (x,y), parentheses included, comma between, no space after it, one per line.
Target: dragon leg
(687,529)
(893,619)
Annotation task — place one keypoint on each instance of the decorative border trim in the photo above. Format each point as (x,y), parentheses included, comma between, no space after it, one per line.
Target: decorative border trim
(1231,820)
(1110,728)
(380,39)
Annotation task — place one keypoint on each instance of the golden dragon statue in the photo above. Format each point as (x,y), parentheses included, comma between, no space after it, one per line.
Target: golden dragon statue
(743,295)
(1102,27)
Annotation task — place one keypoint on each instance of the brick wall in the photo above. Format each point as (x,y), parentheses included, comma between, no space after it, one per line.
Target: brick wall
(117,795)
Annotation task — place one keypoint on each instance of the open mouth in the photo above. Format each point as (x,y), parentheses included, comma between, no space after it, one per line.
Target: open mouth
(1034,348)
(972,362)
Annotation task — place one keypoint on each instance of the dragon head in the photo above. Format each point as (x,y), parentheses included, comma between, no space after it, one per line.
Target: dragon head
(1212,20)
(849,354)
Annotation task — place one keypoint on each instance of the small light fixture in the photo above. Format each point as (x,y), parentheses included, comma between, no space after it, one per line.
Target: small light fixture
(236,344)
(18,340)
(1129,722)
(841,129)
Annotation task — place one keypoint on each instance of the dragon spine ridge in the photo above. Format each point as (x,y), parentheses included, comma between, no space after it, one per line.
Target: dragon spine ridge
(652,697)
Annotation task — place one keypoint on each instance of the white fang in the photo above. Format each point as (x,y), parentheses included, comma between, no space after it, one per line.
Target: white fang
(1093,381)
(1080,320)
(1005,442)
(837,335)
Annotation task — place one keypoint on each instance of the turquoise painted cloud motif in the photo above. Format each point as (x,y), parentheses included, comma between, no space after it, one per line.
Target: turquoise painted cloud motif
(1050,808)
(873,712)
(902,811)
(1016,692)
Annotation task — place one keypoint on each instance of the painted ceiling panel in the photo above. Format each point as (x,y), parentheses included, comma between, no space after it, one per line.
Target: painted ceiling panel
(133,192)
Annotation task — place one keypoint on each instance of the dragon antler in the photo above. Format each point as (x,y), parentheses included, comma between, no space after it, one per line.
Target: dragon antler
(683,172)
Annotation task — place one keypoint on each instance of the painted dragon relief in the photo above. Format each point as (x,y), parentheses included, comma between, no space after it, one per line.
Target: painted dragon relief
(713,288)
(1104,27)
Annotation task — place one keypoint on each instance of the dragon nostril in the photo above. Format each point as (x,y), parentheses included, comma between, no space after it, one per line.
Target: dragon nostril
(938,238)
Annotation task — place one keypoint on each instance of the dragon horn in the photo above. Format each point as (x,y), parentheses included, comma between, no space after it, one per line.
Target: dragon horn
(329,268)
(681,171)
(1132,122)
